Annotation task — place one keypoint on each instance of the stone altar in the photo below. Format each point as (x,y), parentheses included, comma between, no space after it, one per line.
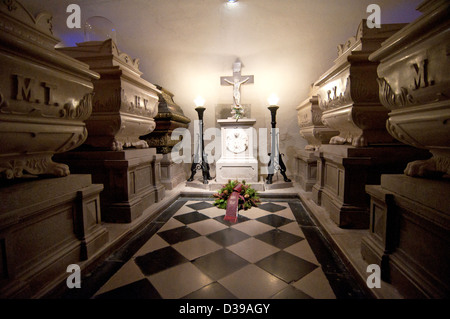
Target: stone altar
(363,150)
(124,108)
(238,159)
(410,216)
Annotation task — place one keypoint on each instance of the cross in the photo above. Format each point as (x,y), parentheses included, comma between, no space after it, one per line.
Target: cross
(236,80)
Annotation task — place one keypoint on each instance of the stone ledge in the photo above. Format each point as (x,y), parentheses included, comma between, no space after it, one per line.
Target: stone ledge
(347,244)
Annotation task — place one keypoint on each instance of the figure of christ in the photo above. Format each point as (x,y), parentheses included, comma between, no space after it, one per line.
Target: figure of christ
(236,90)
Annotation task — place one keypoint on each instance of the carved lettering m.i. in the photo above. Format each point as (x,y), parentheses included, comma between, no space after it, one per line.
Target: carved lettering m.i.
(420,75)
(27,90)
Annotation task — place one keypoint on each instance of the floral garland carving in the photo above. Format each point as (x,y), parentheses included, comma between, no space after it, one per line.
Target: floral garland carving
(393,100)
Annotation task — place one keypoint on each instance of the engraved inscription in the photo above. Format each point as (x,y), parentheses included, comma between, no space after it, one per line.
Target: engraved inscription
(421,78)
(27,90)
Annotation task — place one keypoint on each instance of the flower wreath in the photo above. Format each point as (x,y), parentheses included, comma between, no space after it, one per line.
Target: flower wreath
(248,197)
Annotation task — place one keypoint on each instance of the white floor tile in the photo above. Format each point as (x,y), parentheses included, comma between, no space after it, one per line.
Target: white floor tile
(316,285)
(251,282)
(178,281)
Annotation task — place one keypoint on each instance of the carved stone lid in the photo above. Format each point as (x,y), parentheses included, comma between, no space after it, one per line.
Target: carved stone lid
(17,20)
(168,109)
(434,20)
(32,38)
(360,46)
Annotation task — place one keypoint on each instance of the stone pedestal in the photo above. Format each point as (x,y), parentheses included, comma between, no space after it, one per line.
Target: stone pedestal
(410,234)
(343,173)
(306,169)
(172,174)
(46,225)
(131,178)
(238,148)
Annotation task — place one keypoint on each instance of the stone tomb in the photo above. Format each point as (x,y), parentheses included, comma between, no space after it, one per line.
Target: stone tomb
(312,129)
(124,108)
(410,215)
(170,117)
(49,219)
(363,150)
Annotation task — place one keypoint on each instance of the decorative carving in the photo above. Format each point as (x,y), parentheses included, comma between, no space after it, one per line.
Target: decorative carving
(333,100)
(342,48)
(37,165)
(433,167)
(393,100)
(82,111)
(237,141)
(10,4)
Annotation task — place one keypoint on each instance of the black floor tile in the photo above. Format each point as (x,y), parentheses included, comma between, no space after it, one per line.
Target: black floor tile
(159,260)
(271,207)
(211,291)
(141,289)
(240,219)
(168,212)
(227,237)
(286,266)
(200,205)
(190,218)
(279,238)
(301,215)
(322,250)
(345,287)
(175,235)
(220,263)
(274,220)
(291,292)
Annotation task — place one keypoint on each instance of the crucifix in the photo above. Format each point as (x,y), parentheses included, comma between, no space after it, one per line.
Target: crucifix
(236,81)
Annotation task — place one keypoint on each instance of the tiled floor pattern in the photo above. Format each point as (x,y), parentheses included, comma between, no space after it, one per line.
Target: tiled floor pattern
(273,251)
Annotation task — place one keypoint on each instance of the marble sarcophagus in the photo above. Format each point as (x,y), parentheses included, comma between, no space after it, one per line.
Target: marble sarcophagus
(49,218)
(45,96)
(124,107)
(363,149)
(410,213)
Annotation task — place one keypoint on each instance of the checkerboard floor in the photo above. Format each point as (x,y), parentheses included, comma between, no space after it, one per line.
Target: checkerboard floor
(274,251)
